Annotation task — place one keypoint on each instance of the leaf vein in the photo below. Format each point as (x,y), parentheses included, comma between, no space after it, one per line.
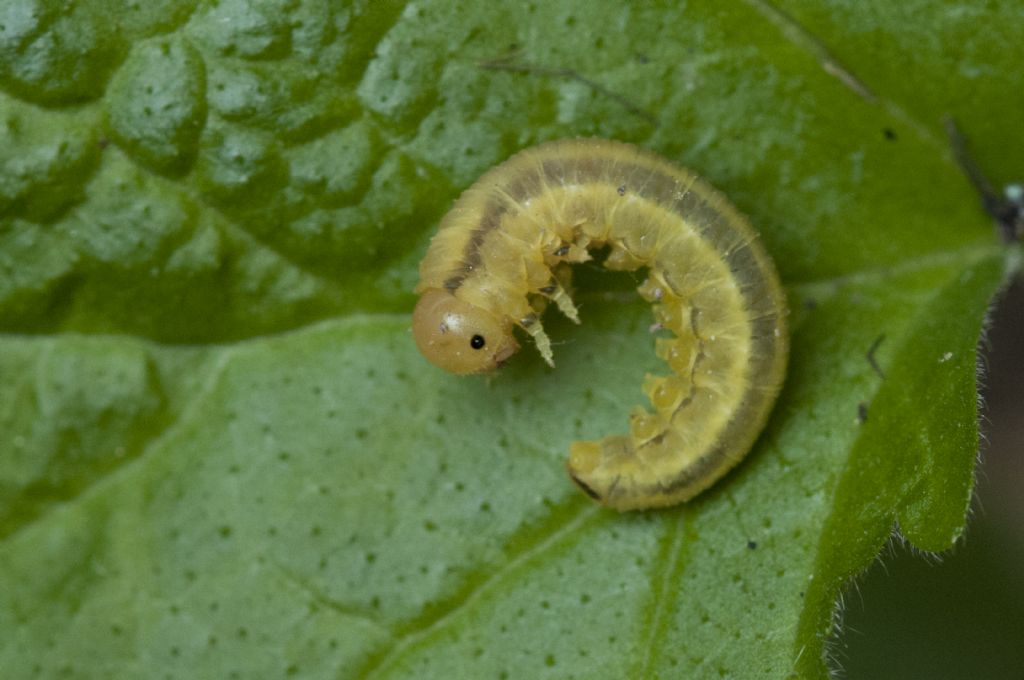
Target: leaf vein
(414,633)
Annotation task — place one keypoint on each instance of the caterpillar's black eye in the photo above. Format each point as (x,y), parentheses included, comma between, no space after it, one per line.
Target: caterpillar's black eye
(477,342)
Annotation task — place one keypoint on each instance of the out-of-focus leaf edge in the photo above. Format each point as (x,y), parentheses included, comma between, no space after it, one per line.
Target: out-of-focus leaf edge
(856,530)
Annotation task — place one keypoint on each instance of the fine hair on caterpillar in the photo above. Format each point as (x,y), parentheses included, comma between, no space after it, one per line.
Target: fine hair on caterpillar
(504,252)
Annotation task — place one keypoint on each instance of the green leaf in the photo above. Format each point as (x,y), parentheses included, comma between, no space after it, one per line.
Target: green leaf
(221,455)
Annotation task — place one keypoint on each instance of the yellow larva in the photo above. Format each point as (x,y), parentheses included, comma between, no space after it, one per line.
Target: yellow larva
(503,250)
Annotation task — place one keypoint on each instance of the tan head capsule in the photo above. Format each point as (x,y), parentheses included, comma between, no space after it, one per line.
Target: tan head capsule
(460,337)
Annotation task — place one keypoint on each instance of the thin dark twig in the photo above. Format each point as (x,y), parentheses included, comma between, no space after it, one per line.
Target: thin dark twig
(506,64)
(1007,211)
(964,160)
(871,355)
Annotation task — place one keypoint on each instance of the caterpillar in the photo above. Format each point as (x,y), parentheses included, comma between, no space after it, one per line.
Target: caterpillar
(503,253)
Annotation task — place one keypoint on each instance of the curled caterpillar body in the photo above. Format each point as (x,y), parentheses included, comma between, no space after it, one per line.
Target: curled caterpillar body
(502,253)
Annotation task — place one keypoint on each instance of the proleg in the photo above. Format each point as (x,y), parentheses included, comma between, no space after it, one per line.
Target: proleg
(503,253)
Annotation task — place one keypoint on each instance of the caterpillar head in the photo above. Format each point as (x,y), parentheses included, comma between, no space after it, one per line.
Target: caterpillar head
(460,337)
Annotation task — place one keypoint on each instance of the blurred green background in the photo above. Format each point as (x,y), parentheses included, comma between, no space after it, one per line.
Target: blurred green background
(961,614)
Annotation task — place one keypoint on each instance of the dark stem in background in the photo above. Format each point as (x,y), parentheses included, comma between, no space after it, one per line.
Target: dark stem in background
(1007,210)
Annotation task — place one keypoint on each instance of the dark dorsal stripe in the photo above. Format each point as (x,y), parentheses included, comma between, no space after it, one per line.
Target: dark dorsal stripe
(520,189)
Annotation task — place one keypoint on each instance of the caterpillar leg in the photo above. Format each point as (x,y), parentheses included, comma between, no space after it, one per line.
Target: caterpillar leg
(565,304)
(557,291)
(575,249)
(531,324)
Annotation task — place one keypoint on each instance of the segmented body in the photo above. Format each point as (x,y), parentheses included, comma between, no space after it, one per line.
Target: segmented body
(504,246)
